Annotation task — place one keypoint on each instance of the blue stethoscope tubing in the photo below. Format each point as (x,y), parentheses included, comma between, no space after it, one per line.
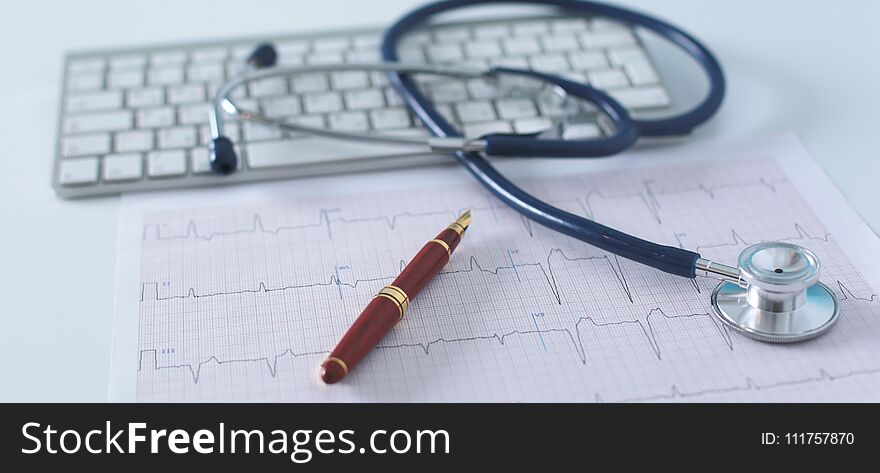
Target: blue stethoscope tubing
(669,259)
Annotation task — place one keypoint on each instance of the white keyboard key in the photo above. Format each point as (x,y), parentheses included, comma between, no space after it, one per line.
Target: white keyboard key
(198,158)
(90,102)
(511,62)
(322,102)
(483,89)
(516,108)
(367,41)
(165,58)
(325,58)
(497,30)
(231,130)
(347,80)
(281,107)
(645,97)
(123,167)
(85,82)
(168,75)
(196,114)
(444,52)
(521,46)
(271,86)
(476,130)
(479,111)
(316,150)
(530,27)
(144,97)
(389,118)
(364,99)
(568,25)
(314,121)
(607,38)
(585,60)
(310,82)
(445,92)
(86,65)
(392,98)
(205,72)
(129,61)
(549,63)
(258,132)
(532,125)
(155,117)
(177,137)
(166,163)
(84,145)
(641,73)
(412,54)
(135,140)
(605,24)
(79,171)
(330,44)
(608,78)
(451,33)
(189,93)
(625,55)
(295,47)
(555,44)
(348,121)
(209,55)
(125,79)
(363,56)
(483,49)
(106,121)
(581,131)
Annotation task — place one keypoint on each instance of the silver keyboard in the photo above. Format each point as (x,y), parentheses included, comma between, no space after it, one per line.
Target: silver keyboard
(134,120)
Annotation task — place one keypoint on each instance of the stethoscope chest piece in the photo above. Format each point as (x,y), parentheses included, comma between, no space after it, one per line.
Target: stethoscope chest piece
(779,297)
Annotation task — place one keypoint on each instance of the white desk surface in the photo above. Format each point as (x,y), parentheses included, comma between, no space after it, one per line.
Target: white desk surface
(791,65)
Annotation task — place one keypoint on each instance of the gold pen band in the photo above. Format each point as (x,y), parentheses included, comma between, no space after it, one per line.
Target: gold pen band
(338,362)
(460,225)
(444,245)
(396,295)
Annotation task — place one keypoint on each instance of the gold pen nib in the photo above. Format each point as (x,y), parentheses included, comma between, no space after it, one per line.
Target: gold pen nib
(461,224)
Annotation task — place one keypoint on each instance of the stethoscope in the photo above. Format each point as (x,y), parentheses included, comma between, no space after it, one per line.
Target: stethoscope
(773,295)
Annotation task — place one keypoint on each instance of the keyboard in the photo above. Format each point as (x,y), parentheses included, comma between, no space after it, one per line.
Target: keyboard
(137,119)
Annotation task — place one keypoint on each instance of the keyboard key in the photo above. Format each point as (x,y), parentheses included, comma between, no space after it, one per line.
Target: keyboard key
(363,56)
(325,58)
(230,130)
(412,54)
(475,111)
(145,97)
(85,65)
(177,137)
(445,92)
(155,117)
(164,58)
(209,55)
(444,52)
(198,158)
(165,75)
(477,130)
(128,61)
(364,99)
(644,97)
(330,44)
(451,33)
(626,55)
(483,89)
(166,163)
(78,171)
(84,145)
(641,73)
(568,25)
(85,82)
(188,93)
(309,82)
(587,60)
(532,125)
(483,49)
(268,87)
(516,108)
(106,121)
(123,167)
(390,118)
(196,114)
(549,63)
(521,46)
(135,140)
(581,131)
(347,80)
(529,28)
(367,41)
(281,107)
(125,79)
(555,44)
(497,30)
(348,121)
(205,72)
(90,102)
(322,102)
(608,78)
(607,38)
(258,132)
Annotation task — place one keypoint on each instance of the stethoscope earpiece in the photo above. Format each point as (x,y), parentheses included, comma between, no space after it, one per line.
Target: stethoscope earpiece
(779,297)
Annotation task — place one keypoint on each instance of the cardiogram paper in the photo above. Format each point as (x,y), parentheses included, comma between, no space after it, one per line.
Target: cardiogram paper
(239,293)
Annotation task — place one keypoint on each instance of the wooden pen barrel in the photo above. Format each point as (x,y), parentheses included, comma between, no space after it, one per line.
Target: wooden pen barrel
(390,304)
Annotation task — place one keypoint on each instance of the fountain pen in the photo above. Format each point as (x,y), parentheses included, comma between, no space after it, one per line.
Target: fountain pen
(390,304)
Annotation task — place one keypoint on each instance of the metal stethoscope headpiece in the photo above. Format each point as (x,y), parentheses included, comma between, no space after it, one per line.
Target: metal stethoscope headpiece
(776,296)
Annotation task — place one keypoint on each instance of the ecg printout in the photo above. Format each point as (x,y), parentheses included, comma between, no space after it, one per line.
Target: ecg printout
(238,294)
